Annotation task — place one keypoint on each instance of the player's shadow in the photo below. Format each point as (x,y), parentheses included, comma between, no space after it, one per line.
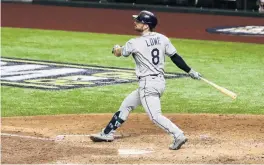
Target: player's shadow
(125,135)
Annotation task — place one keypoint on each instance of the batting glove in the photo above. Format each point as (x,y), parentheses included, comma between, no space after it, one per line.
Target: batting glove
(194,74)
(115,47)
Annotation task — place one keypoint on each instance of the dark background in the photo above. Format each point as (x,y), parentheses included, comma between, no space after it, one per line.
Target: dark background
(250,5)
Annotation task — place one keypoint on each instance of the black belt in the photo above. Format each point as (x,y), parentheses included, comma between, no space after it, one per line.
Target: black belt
(140,77)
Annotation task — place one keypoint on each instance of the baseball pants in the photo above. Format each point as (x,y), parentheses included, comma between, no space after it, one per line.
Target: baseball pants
(148,95)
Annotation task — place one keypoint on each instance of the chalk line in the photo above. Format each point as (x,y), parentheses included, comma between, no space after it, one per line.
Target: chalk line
(133,151)
(27,137)
(80,135)
(58,137)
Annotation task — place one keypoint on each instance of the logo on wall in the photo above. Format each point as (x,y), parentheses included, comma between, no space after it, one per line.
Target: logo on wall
(239,30)
(57,76)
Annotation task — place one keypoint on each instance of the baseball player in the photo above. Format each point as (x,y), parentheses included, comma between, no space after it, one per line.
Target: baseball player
(261,6)
(148,51)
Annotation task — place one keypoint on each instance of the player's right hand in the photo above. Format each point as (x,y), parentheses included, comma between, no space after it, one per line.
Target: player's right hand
(115,47)
(194,74)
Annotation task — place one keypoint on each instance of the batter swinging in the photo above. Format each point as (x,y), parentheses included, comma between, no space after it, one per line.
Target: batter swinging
(149,52)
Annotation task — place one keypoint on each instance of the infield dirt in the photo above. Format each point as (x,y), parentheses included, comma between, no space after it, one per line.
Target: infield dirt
(212,139)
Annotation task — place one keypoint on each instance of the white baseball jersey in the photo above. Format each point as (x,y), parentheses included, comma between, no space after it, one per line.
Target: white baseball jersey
(149,52)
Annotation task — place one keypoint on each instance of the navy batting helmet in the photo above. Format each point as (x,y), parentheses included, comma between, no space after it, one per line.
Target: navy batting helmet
(146,17)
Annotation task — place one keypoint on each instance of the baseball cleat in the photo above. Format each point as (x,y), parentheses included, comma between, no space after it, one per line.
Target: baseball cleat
(102,137)
(177,143)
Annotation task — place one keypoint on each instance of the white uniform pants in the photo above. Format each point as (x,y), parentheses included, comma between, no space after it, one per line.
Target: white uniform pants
(148,95)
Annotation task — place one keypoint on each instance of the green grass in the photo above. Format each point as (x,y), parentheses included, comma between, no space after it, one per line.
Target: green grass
(236,66)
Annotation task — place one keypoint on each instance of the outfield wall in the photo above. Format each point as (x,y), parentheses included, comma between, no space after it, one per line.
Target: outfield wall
(119,21)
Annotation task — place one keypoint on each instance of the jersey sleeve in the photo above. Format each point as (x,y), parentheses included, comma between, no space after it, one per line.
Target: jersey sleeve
(128,48)
(170,50)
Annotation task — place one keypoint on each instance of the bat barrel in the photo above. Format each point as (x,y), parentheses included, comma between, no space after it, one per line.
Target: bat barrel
(221,89)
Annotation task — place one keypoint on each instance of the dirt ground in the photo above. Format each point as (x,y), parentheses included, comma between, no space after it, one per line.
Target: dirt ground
(232,139)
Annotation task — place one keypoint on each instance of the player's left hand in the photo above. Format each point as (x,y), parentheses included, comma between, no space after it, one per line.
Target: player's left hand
(115,47)
(194,74)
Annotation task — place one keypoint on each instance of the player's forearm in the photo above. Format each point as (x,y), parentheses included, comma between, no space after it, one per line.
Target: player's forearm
(180,63)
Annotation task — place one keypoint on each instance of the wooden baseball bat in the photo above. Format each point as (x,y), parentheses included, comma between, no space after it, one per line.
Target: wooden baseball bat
(221,89)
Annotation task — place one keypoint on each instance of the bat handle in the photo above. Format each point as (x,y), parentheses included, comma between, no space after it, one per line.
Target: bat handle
(209,82)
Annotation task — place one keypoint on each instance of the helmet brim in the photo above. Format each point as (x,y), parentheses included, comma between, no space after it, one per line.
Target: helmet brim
(134,16)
